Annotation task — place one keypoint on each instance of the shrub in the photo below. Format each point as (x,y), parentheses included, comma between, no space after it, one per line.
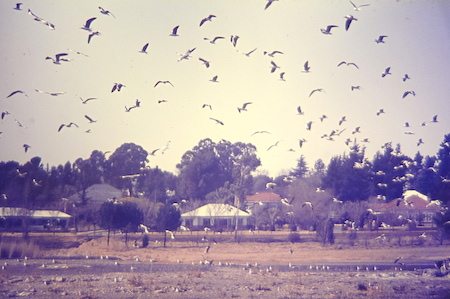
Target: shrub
(293,237)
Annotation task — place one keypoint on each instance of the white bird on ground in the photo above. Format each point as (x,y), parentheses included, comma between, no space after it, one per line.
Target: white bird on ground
(144,228)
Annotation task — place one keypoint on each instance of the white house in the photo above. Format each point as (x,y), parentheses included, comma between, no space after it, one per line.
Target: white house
(38,220)
(215,215)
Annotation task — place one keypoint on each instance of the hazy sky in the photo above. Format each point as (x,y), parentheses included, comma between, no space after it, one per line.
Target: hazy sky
(418,44)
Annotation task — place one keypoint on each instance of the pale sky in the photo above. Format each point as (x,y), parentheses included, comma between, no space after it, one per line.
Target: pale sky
(418,44)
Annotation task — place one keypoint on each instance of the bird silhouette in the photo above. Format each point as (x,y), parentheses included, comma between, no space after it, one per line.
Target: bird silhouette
(144,49)
(244,106)
(217,121)
(348,64)
(306,67)
(90,119)
(358,7)
(208,18)
(117,86)
(87,100)
(105,12)
(17,92)
(175,31)
(315,90)
(234,40)
(87,25)
(214,79)
(380,39)
(205,62)
(349,20)
(386,72)
(273,145)
(163,82)
(409,92)
(58,58)
(26,147)
(250,52)
(327,30)
(18,6)
(92,34)
(274,67)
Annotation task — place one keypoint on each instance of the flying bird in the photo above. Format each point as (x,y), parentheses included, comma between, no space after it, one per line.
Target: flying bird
(53,94)
(315,90)
(217,121)
(87,100)
(282,76)
(250,52)
(327,30)
(420,142)
(205,62)
(214,79)
(348,64)
(309,125)
(105,12)
(386,72)
(90,119)
(87,25)
(208,18)
(307,204)
(144,49)
(187,54)
(71,124)
(273,53)
(92,34)
(274,67)
(244,106)
(381,111)
(117,86)
(306,67)
(405,77)
(273,145)
(434,120)
(214,40)
(26,147)
(342,120)
(299,111)
(358,7)
(4,113)
(175,31)
(380,39)
(301,142)
(269,3)
(163,82)
(18,6)
(260,132)
(349,20)
(357,87)
(153,152)
(58,58)
(207,106)
(16,92)
(409,92)
(234,40)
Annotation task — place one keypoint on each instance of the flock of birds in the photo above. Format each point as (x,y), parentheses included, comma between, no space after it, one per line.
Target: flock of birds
(89,25)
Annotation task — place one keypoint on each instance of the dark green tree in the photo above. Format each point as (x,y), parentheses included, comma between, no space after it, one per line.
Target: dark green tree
(125,216)
(128,159)
(168,219)
(301,169)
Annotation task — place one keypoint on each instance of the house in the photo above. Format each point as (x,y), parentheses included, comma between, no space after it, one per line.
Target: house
(270,199)
(11,219)
(413,205)
(215,215)
(97,194)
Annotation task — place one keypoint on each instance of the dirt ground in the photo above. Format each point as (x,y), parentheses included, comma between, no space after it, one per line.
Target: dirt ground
(245,270)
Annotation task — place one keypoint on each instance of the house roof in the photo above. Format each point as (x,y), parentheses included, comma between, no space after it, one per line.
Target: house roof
(216,210)
(99,193)
(17,212)
(265,197)
(412,201)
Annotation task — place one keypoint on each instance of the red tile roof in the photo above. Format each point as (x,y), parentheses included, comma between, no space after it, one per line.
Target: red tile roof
(265,197)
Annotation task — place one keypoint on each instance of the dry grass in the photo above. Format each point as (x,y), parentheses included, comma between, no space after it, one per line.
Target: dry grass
(273,253)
